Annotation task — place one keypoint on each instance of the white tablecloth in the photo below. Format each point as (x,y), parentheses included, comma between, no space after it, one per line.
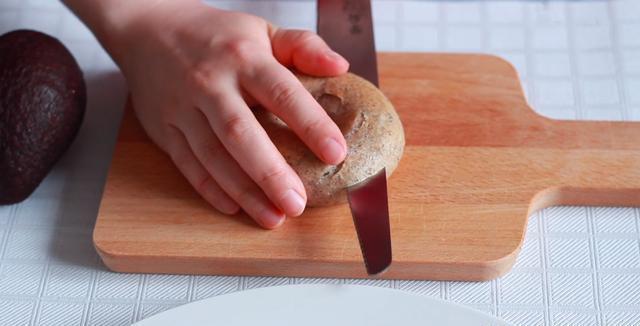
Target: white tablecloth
(579,266)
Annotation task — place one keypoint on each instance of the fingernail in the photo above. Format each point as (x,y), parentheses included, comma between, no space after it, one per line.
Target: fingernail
(333,55)
(270,220)
(292,203)
(332,151)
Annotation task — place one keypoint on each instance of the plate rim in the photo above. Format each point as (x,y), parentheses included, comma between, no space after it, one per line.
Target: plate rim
(145,321)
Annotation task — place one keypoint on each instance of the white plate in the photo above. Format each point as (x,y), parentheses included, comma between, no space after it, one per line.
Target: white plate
(348,305)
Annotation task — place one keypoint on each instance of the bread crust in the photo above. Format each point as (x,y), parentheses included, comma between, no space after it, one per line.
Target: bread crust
(369,123)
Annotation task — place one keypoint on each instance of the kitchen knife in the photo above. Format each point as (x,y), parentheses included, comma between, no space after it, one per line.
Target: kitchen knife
(347,26)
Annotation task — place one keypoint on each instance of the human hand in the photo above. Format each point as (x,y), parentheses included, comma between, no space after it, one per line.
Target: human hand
(193,71)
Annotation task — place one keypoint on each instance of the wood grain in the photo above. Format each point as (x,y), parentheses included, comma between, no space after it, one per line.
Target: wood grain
(478,161)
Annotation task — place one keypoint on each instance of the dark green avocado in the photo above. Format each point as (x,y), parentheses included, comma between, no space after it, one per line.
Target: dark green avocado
(42,103)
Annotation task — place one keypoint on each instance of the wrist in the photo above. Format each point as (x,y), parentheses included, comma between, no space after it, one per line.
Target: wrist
(116,23)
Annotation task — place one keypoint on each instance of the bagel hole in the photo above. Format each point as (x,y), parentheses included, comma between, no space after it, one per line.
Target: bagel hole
(338,111)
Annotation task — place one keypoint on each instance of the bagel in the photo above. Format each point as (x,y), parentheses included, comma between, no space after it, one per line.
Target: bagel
(369,123)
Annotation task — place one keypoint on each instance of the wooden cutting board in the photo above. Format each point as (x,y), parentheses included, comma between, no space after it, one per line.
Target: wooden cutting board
(478,161)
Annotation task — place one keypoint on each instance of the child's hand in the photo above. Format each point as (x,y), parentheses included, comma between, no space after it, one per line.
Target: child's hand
(194,70)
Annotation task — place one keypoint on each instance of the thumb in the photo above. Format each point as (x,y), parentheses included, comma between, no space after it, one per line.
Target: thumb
(306,52)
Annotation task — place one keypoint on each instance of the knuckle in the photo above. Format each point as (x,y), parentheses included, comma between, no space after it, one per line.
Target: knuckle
(284,95)
(271,174)
(199,78)
(311,128)
(238,130)
(307,36)
(243,51)
(204,80)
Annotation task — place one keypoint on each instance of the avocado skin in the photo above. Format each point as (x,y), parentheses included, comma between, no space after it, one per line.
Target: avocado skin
(42,103)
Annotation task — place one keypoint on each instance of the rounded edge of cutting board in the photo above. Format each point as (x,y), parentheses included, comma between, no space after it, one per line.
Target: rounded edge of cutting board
(109,258)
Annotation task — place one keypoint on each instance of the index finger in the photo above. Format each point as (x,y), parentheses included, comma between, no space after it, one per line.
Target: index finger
(276,88)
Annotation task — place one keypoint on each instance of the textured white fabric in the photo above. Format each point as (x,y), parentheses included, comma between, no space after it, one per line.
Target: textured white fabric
(579,266)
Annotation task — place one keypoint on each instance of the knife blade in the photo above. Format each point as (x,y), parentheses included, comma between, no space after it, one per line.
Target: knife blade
(369,208)
(347,27)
